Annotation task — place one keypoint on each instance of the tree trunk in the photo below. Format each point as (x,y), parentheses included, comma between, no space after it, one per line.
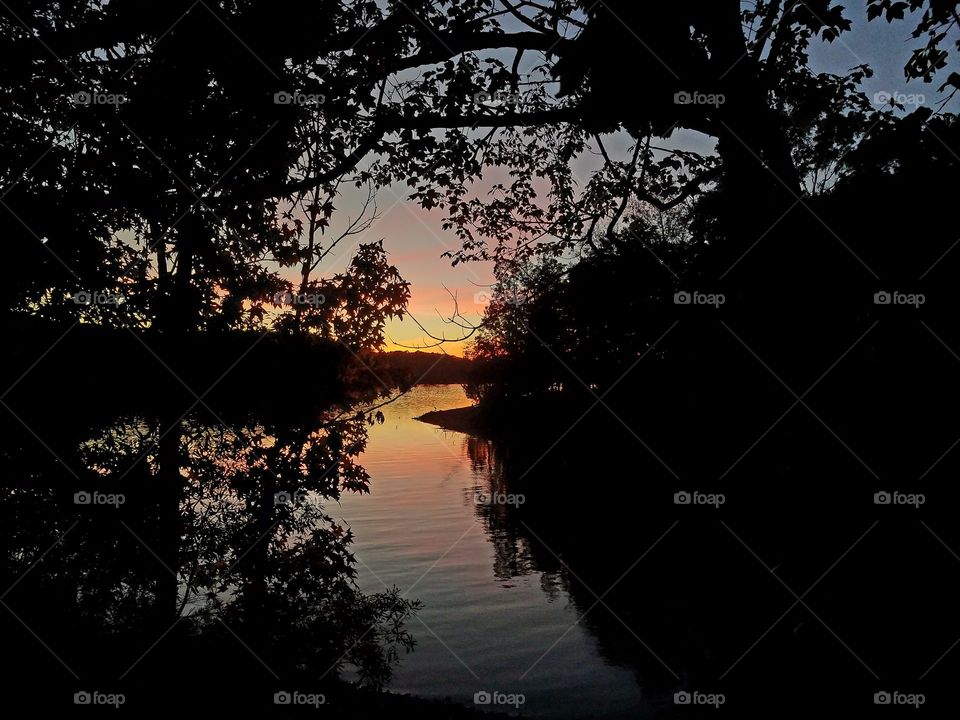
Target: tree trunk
(758,168)
(169,492)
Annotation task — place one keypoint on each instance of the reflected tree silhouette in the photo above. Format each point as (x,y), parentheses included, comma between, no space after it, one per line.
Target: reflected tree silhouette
(256,579)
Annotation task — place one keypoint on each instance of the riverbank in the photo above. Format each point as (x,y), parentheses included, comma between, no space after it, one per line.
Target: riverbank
(468,420)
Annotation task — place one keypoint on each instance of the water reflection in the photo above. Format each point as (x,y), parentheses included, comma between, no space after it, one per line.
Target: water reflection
(496,503)
(270,556)
(797,583)
(138,546)
(569,550)
(498,613)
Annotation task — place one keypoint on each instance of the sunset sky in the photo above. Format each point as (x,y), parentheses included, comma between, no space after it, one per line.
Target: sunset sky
(416,241)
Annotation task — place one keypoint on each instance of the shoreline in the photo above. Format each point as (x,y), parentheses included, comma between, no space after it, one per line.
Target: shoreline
(465,420)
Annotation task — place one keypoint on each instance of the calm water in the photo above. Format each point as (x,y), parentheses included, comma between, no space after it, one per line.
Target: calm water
(491,621)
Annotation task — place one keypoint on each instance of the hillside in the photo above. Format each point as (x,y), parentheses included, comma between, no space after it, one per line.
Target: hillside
(423,368)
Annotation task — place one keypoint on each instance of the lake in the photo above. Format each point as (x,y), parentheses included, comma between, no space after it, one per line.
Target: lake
(492,621)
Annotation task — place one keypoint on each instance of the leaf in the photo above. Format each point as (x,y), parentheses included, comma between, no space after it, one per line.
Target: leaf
(952,81)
